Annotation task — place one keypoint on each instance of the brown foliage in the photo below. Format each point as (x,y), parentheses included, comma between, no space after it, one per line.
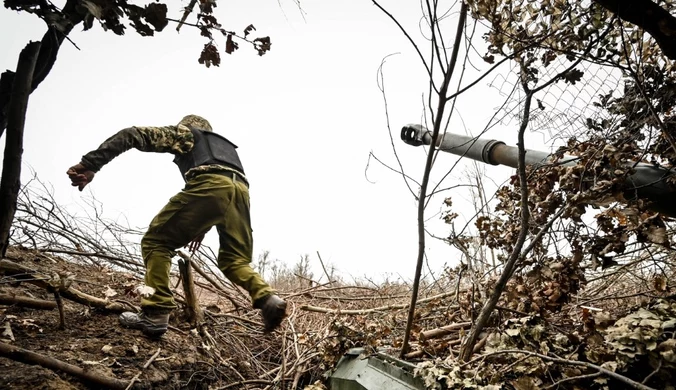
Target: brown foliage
(118,15)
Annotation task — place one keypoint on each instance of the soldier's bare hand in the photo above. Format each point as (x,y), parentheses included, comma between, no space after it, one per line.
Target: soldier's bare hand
(80,176)
(194,246)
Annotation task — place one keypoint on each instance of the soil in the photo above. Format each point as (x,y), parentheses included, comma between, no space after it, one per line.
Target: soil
(92,338)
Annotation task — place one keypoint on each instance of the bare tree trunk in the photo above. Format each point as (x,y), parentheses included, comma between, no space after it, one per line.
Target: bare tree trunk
(6,81)
(50,45)
(648,15)
(16,118)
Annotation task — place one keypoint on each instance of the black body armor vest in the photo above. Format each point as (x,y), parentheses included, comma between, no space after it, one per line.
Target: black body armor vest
(210,148)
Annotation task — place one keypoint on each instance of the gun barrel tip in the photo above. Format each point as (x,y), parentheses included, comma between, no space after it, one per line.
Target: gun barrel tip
(412,134)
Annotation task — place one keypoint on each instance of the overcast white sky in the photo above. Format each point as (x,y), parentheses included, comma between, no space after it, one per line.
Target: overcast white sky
(305,116)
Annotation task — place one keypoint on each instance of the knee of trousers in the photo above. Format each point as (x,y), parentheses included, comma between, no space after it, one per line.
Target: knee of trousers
(235,266)
(150,243)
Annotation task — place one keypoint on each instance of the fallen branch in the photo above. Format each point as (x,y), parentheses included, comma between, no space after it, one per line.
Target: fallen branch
(306,291)
(91,254)
(336,288)
(420,352)
(148,363)
(415,354)
(235,317)
(317,309)
(32,358)
(40,304)
(366,298)
(443,331)
(175,329)
(296,378)
(31,276)
(375,309)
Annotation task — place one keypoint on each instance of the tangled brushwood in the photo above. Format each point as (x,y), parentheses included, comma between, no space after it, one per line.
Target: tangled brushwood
(567,278)
(558,325)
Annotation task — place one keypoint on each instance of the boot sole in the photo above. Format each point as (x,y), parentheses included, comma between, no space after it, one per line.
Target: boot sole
(154,333)
(150,331)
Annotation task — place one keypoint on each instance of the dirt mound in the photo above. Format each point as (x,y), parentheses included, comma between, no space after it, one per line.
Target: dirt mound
(92,338)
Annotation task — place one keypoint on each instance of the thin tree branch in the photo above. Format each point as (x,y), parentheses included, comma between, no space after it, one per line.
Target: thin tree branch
(403,30)
(467,347)
(428,167)
(381,87)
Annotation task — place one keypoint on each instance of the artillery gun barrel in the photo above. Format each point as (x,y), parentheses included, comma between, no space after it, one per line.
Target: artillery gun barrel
(648,182)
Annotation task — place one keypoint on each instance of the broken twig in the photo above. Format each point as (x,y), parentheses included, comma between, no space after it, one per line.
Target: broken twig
(148,363)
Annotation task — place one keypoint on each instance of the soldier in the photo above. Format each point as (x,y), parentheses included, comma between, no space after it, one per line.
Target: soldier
(216,194)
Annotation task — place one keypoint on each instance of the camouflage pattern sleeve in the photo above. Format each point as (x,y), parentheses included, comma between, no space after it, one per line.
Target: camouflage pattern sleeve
(166,139)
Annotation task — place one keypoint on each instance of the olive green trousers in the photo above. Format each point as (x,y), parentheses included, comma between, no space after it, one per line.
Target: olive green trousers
(207,200)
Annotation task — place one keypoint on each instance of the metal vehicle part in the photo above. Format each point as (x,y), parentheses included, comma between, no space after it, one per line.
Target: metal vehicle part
(378,371)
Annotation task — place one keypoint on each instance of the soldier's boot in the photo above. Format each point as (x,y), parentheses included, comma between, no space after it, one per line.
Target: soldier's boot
(153,323)
(273,309)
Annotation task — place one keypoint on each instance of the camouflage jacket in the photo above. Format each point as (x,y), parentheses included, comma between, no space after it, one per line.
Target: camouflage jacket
(165,139)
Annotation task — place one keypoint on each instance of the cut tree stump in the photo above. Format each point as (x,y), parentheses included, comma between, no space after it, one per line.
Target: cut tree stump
(223,291)
(195,316)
